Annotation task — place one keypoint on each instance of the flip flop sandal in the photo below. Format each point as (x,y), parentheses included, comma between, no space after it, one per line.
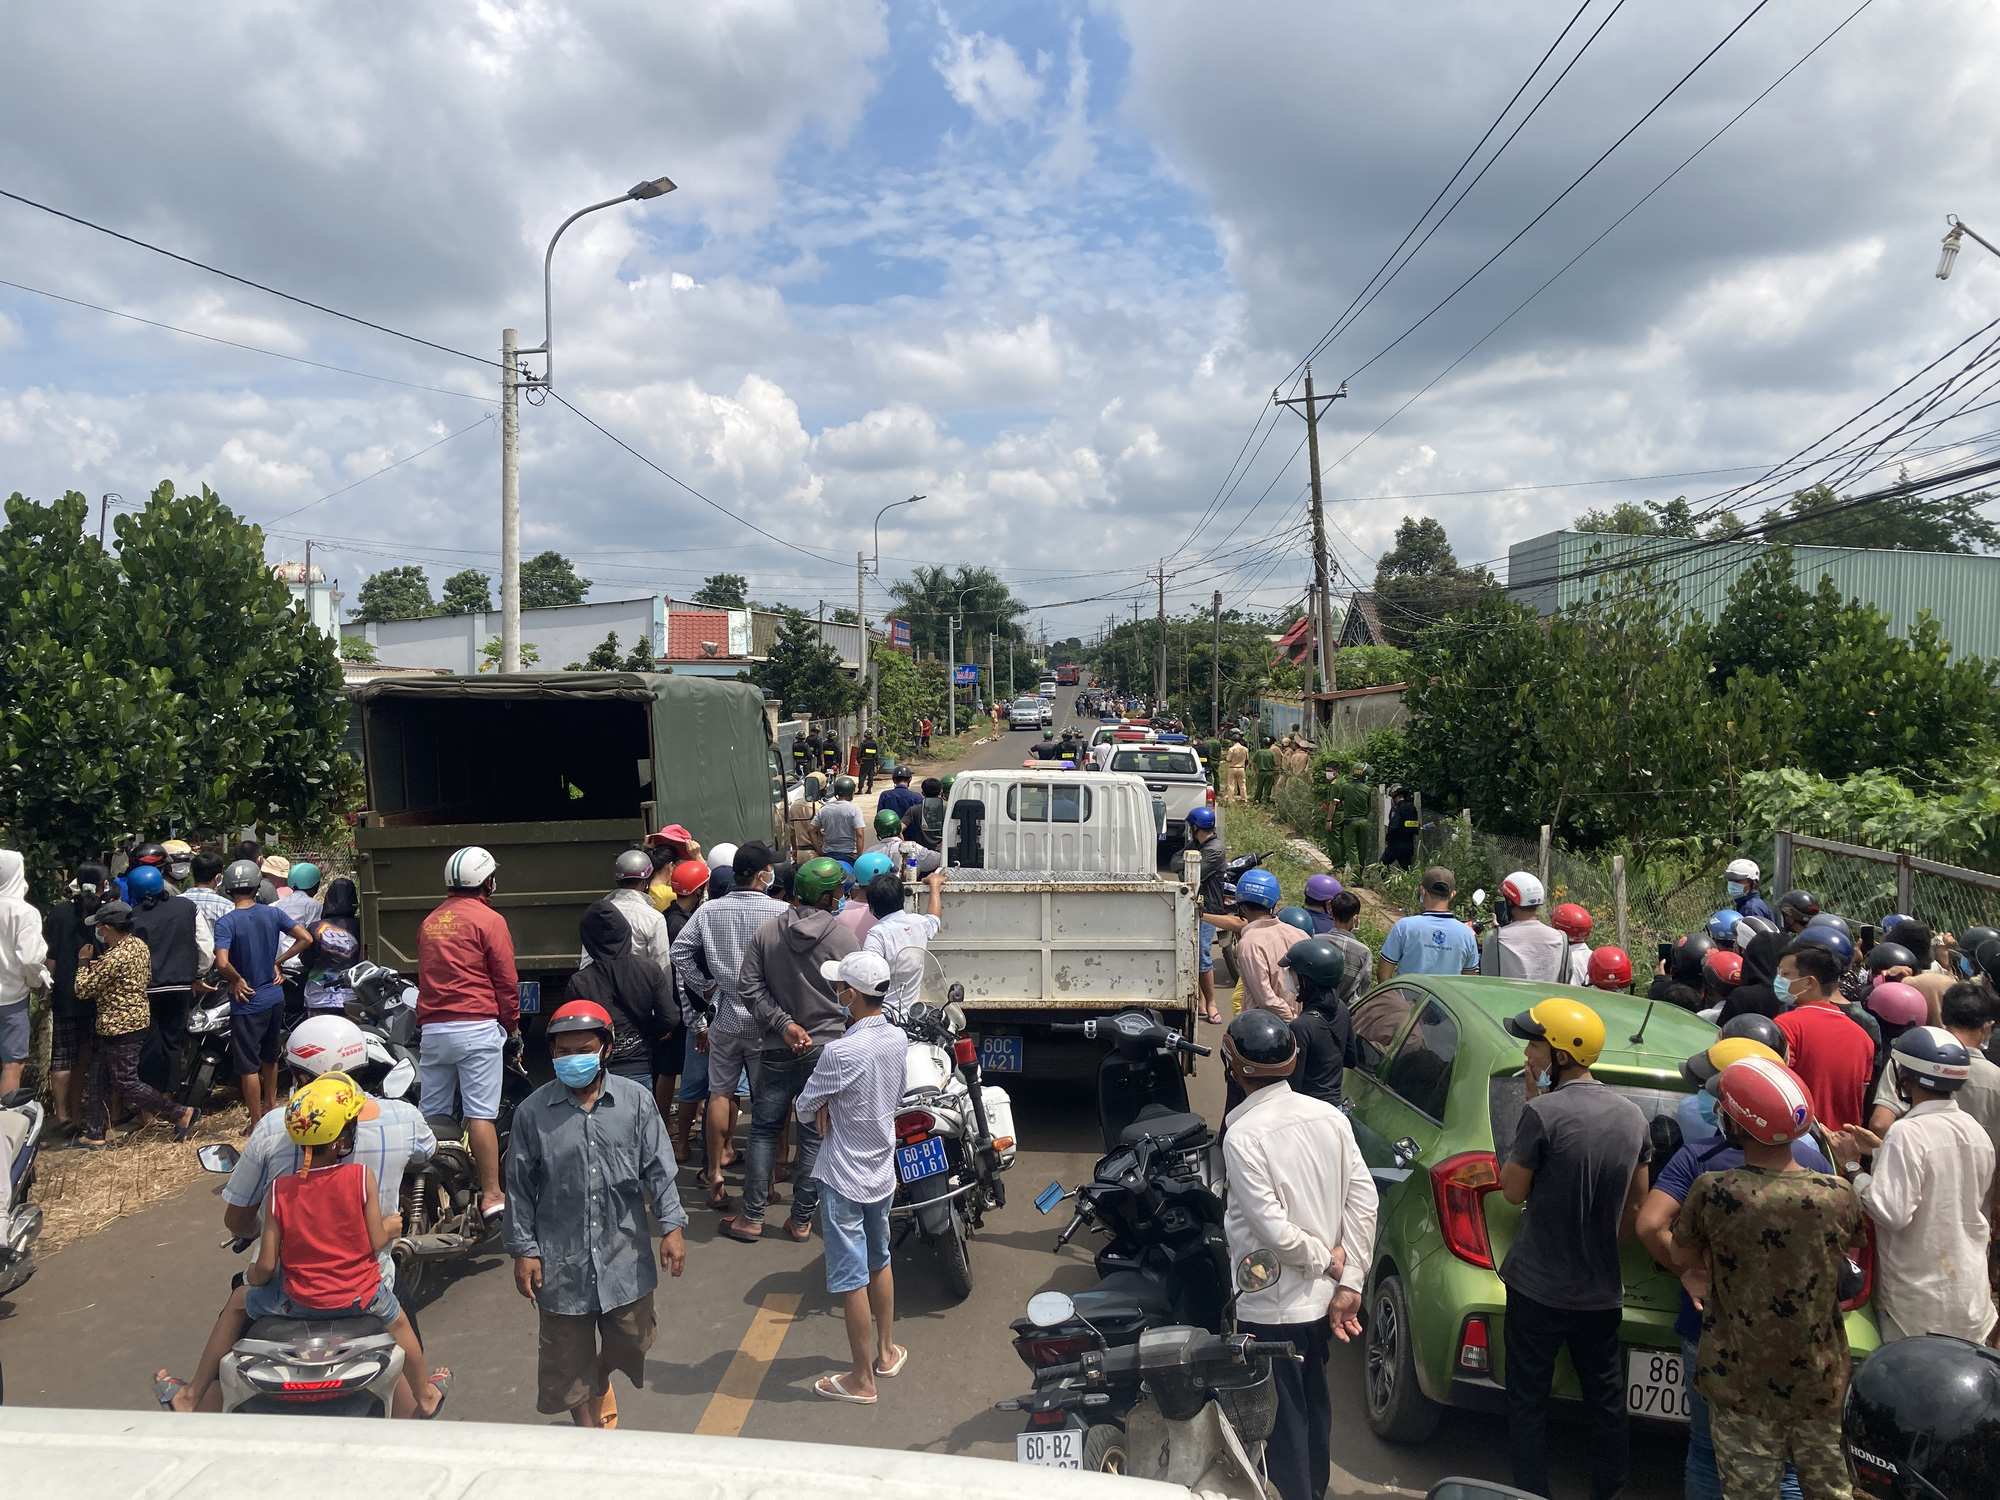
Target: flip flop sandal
(830,1387)
(735,1231)
(491,1212)
(718,1198)
(166,1387)
(782,1172)
(182,1132)
(902,1358)
(442,1382)
(796,1232)
(87,1143)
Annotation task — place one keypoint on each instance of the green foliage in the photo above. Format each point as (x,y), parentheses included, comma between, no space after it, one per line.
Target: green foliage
(640,657)
(1418,581)
(1127,656)
(1369,666)
(466,593)
(396,594)
(846,617)
(723,591)
(1954,823)
(605,657)
(906,690)
(358,649)
(1675,518)
(977,596)
(548,579)
(1916,523)
(490,654)
(805,672)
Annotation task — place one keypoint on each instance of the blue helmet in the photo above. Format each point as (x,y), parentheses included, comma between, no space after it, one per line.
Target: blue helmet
(1201,817)
(1832,939)
(872,864)
(1888,923)
(1722,926)
(1829,920)
(144,882)
(1258,888)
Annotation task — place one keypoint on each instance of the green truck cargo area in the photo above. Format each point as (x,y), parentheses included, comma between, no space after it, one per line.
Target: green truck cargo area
(554,773)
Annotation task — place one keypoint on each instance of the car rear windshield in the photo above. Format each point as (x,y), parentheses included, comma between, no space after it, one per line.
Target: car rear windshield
(1156,762)
(1028,705)
(1506,1097)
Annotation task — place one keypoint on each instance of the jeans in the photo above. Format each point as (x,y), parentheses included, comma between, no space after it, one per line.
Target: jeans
(1299,1453)
(1535,1334)
(780,1081)
(1703,1482)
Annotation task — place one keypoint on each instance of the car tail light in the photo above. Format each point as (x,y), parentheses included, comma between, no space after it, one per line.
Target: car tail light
(914,1124)
(1040,1350)
(1461,1185)
(965,1050)
(1866,1260)
(1472,1350)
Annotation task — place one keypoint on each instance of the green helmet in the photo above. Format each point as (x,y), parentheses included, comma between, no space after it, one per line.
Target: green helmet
(1048,734)
(1299,917)
(1318,960)
(946,783)
(817,877)
(843,786)
(887,823)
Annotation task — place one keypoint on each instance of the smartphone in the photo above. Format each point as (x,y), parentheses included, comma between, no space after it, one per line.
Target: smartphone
(1867,938)
(1666,952)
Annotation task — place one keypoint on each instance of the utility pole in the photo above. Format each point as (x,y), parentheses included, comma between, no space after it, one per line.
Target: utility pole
(1160,696)
(1322,585)
(1215,670)
(951,674)
(103,515)
(510,504)
(863,665)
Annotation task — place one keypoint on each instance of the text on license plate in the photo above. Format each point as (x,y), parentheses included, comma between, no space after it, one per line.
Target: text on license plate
(1058,1448)
(1654,1385)
(531,997)
(1000,1054)
(925,1159)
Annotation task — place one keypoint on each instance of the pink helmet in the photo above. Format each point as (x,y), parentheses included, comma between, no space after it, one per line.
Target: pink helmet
(1897,1003)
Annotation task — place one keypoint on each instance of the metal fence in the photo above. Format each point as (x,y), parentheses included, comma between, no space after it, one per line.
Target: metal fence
(1865,884)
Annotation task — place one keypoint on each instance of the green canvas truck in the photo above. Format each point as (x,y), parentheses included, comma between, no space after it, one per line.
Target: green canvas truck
(554,773)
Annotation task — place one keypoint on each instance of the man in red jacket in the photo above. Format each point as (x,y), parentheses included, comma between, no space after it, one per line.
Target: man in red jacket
(468,1005)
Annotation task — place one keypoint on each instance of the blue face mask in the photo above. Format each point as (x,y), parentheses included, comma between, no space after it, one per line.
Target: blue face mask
(1543,1080)
(1736,887)
(1697,1116)
(576,1070)
(1782,988)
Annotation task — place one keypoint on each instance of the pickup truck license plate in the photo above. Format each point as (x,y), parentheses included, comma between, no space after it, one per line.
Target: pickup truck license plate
(1653,1386)
(1056,1448)
(925,1159)
(1000,1054)
(531,996)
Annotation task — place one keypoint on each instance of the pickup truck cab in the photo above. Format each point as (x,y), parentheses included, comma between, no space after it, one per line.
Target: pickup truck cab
(1174,776)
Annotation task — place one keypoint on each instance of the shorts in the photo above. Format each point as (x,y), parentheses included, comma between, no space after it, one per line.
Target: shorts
(733,1056)
(694,1077)
(256,1037)
(14,1032)
(1207,949)
(463,1066)
(270,1301)
(66,1038)
(856,1236)
(578,1352)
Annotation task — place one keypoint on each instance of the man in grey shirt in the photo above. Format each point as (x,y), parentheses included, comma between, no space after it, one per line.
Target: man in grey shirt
(1525,947)
(840,822)
(587,1157)
(1578,1164)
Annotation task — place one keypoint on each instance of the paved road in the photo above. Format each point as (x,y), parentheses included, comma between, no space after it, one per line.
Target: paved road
(742,1336)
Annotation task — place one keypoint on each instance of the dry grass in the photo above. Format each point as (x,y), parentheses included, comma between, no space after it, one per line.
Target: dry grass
(80,1192)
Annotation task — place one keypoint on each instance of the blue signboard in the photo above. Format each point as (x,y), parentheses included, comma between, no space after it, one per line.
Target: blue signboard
(965,674)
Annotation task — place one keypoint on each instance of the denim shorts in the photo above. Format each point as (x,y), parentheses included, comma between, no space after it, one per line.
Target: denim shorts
(856,1237)
(270,1301)
(14,1032)
(1207,949)
(463,1066)
(694,1077)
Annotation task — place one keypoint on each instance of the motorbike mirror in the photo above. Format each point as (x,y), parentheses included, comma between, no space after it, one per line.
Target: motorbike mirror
(1257,1270)
(397,1081)
(955,993)
(954,1019)
(1474,1489)
(1478,899)
(217,1158)
(1047,1309)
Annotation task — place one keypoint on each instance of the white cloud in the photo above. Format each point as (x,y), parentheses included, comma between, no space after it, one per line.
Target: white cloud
(985,74)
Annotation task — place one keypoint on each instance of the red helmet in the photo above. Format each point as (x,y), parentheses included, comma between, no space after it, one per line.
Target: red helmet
(688,876)
(1726,966)
(580,1015)
(1766,1100)
(1610,969)
(1572,921)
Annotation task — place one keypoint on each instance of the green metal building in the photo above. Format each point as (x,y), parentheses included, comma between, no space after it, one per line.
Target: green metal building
(1961,591)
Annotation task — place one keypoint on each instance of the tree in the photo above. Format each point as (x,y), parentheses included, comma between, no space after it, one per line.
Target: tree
(846,617)
(1418,581)
(396,594)
(1914,523)
(603,657)
(723,591)
(547,579)
(359,650)
(490,655)
(466,593)
(1675,518)
(906,690)
(976,596)
(640,657)
(805,672)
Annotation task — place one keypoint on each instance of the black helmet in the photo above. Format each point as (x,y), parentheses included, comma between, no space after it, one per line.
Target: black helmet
(1890,956)
(1758,1029)
(1316,959)
(1802,902)
(148,854)
(1752,925)
(1261,1045)
(1689,952)
(1970,942)
(1834,920)
(1988,957)
(1919,1421)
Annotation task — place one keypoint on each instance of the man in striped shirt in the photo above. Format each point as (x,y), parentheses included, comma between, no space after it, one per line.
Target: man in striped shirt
(854,1091)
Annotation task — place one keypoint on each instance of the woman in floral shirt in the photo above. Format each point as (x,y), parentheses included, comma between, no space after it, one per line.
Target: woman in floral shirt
(116,984)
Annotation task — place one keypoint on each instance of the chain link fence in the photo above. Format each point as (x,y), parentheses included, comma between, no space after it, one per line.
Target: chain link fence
(1865,884)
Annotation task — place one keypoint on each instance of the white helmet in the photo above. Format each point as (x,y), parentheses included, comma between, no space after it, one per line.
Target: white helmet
(721,855)
(1523,889)
(469,869)
(1743,869)
(326,1044)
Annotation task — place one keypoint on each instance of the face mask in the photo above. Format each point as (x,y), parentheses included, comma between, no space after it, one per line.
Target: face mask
(1697,1116)
(1782,987)
(576,1070)
(1737,887)
(1543,1080)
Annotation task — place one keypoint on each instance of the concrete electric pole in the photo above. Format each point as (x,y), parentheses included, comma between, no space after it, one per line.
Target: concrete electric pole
(1160,694)
(1215,668)
(510,503)
(1322,581)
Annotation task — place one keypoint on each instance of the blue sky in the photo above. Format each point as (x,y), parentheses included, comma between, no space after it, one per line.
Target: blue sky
(1040,263)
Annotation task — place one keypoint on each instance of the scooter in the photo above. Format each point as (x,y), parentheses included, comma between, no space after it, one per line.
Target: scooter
(954,1137)
(21,1122)
(1197,1406)
(1142,1070)
(205,1058)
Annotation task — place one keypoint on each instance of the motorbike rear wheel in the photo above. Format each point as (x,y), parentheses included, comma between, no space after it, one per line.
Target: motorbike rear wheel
(1104,1450)
(201,1083)
(953,1257)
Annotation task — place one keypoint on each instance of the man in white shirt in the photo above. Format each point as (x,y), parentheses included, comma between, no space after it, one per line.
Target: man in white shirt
(1525,947)
(897,928)
(1928,1196)
(1301,1229)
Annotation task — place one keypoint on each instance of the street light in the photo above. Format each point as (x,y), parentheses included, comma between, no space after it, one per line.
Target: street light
(1948,253)
(861,570)
(514,380)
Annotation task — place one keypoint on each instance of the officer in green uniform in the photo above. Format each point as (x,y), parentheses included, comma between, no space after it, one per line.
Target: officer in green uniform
(1265,762)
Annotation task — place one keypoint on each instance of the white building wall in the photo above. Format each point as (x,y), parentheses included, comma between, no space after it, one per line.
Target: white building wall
(560,635)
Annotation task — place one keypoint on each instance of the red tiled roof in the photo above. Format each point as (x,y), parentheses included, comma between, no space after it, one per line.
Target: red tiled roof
(697,636)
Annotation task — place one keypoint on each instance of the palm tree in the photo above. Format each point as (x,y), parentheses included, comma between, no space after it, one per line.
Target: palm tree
(977,596)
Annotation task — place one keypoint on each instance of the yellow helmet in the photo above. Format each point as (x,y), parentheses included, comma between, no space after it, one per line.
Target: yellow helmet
(1704,1067)
(1566,1025)
(318,1112)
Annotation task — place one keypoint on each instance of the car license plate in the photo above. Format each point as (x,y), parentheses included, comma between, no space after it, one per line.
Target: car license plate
(925,1159)
(1654,1386)
(1000,1054)
(531,997)
(1056,1448)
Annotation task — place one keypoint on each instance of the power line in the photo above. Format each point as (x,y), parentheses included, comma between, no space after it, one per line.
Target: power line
(386,468)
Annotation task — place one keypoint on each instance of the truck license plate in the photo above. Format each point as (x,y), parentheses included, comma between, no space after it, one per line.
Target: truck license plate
(531,996)
(1000,1054)
(925,1159)
(1653,1387)
(1057,1448)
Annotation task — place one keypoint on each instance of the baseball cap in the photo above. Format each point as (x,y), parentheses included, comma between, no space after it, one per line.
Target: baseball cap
(1440,880)
(113,914)
(860,970)
(673,833)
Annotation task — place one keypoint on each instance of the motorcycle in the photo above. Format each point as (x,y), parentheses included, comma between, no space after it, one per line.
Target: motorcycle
(954,1137)
(21,1121)
(1198,1407)
(205,1055)
(1142,1069)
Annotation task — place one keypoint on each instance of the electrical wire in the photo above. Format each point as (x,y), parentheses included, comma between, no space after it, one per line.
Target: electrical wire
(385,468)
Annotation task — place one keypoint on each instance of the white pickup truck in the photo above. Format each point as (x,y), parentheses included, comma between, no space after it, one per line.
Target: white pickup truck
(1054,910)
(1173,775)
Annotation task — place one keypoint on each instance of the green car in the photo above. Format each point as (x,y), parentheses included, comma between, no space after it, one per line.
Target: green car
(1439,1085)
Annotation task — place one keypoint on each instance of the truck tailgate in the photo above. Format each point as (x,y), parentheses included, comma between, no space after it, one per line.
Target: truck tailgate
(1064,943)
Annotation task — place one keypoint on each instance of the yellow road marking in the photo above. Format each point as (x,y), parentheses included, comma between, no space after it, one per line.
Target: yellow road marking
(729,1408)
